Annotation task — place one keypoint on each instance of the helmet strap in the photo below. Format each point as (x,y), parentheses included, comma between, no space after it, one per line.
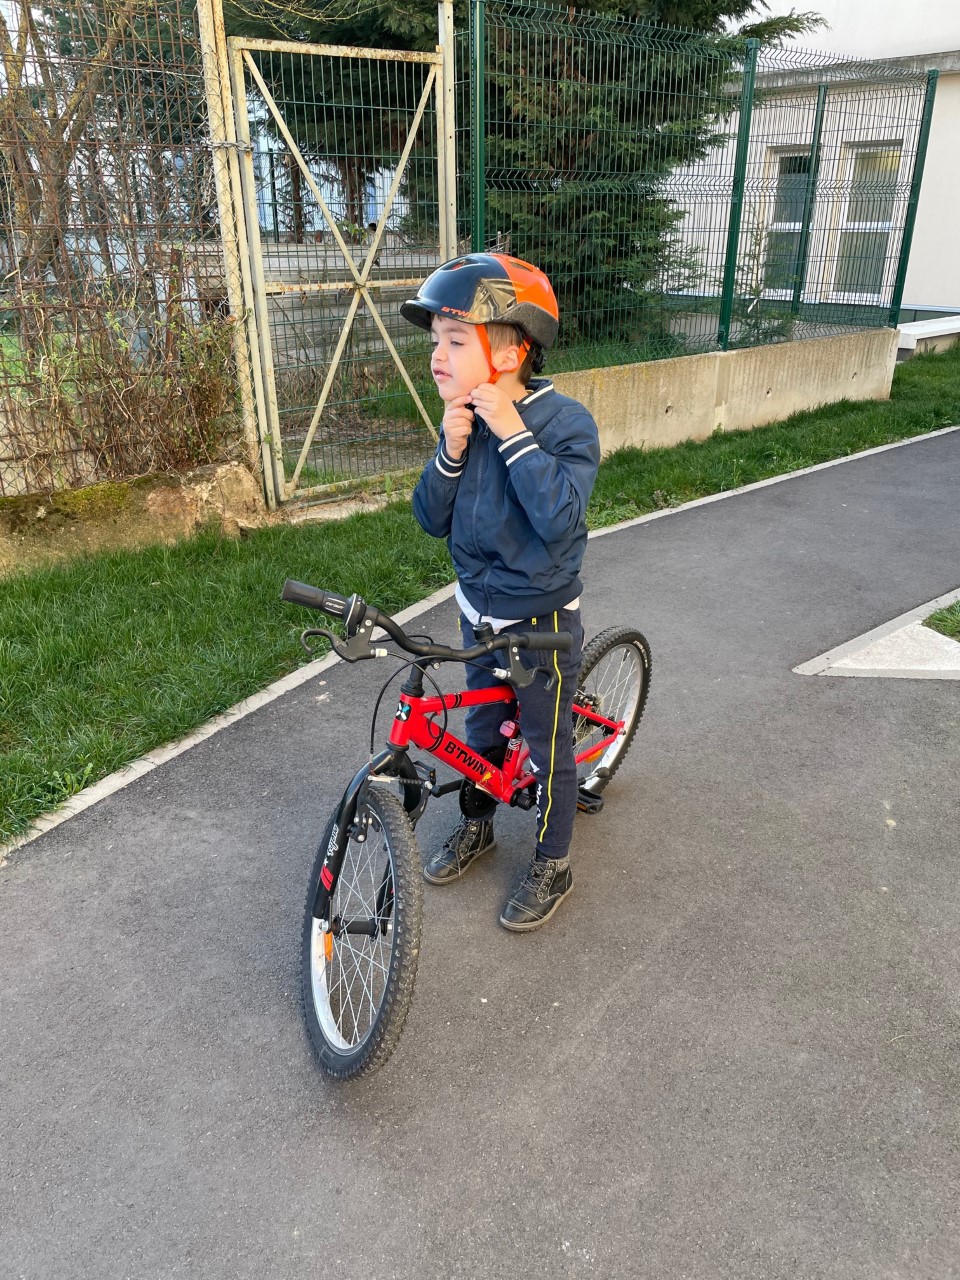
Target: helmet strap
(484,337)
(485,344)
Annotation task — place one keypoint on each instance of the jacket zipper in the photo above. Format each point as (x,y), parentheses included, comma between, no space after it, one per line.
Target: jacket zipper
(482,438)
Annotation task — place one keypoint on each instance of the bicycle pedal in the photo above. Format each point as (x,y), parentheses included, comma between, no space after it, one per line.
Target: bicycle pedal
(587,802)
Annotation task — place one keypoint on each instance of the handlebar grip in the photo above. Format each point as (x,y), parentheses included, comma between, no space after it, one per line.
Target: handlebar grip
(562,641)
(326,601)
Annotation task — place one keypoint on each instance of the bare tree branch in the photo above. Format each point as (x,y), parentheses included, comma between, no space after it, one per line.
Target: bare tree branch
(75,115)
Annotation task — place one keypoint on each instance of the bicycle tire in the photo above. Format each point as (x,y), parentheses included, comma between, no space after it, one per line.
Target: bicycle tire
(615,678)
(355,998)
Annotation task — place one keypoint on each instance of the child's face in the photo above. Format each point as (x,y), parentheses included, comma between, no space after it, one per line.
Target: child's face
(458,363)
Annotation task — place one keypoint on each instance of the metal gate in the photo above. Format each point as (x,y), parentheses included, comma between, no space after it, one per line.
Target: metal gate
(343,163)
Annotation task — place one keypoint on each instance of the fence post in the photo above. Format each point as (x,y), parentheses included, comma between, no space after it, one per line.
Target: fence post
(809,196)
(274,205)
(914,199)
(736,197)
(446,132)
(478,125)
(213,50)
(261,336)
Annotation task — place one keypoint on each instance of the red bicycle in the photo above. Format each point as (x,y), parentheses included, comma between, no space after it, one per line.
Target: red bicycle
(362,921)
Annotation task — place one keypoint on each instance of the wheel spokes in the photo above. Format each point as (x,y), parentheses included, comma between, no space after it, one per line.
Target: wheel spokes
(349,988)
(613,687)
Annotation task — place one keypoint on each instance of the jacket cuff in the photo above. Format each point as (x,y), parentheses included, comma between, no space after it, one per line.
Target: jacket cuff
(452,468)
(515,447)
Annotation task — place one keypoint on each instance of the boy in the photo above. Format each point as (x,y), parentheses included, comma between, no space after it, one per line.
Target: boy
(508,488)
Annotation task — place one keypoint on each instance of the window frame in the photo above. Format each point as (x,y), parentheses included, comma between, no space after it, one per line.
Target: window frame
(776,156)
(851,152)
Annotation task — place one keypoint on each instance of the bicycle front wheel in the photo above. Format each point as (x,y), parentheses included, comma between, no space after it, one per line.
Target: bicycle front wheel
(614,681)
(357,977)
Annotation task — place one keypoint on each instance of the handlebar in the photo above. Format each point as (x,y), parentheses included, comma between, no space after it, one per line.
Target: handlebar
(360,619)
(328,602)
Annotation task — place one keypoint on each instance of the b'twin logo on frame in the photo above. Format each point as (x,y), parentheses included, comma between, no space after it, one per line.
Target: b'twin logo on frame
(465,757)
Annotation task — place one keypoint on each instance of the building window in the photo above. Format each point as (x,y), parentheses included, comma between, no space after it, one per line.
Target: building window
(868,221)
(782,263)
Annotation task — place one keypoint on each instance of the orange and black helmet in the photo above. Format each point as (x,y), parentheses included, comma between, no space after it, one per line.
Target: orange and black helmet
(489,288)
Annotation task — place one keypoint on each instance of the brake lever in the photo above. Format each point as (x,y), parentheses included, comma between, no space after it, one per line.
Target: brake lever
(352,650)
(305,636)
(533,672)
(518,675)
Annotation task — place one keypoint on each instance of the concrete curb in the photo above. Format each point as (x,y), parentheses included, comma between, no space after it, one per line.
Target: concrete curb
(160,755)
(108,786)
(906,633)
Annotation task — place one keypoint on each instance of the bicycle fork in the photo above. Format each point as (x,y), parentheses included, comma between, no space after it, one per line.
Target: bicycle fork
(343,823)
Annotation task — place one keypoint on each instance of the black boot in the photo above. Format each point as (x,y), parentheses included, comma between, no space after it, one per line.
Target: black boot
(545,884)
(460,849)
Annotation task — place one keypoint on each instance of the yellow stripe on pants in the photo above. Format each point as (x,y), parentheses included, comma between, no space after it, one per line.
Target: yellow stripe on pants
(553,741)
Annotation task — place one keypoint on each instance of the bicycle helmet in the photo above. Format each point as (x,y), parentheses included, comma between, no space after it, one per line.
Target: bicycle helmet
(489,288)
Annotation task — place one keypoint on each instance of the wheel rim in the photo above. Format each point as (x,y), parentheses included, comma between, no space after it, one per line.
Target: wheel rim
(615,683)
(349,988)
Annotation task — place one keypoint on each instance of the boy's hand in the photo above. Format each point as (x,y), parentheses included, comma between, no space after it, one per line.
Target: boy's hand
(457,425)
(497,410)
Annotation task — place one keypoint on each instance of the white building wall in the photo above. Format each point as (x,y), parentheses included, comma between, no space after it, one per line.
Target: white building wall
(933,277)
(856,120)
(897,29)
(880,28)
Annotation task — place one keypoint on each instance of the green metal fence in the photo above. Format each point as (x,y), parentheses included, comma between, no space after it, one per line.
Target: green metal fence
(687,192)
(174,282)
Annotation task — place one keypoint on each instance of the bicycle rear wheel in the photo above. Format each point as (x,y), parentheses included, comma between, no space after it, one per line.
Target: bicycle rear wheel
(357,979)
(614,681)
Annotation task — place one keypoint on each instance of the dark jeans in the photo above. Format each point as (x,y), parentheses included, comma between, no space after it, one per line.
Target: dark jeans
(546,719)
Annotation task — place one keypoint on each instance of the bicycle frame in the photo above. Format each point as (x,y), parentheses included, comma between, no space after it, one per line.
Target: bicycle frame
(413,725)
(363,923)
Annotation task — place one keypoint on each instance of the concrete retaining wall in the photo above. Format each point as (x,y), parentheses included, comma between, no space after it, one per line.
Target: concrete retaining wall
(934,346)
(926,337)
(658,403)
(666,401)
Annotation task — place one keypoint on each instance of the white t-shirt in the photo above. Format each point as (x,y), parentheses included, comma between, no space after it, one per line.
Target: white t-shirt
(498,624)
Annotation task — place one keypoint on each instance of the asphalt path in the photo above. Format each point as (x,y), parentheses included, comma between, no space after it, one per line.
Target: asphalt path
(733,1053)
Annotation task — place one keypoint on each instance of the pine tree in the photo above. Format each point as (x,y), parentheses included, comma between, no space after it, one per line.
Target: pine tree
(589,110)
(588,116)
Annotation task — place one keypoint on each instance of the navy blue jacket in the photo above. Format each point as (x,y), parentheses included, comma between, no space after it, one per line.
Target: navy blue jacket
(514,511)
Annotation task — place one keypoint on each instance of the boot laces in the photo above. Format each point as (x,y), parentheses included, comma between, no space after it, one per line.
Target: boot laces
(465,835)
(536,876)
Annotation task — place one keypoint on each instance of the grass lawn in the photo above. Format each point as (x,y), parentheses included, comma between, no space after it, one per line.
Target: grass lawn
(116,654)
(111,656)
(946,621)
